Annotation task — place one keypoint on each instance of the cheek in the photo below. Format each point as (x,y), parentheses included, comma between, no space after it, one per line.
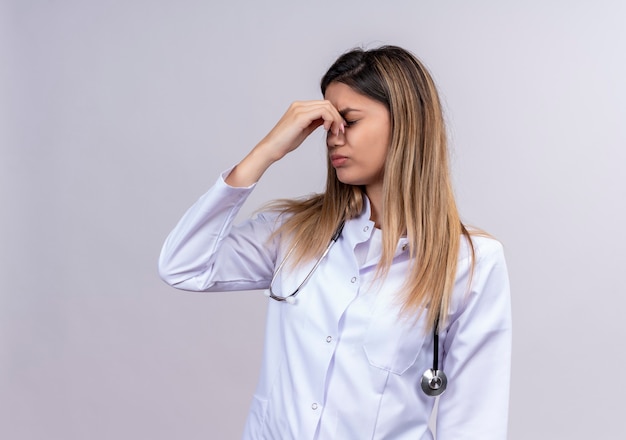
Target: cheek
(382,143)
(382,133)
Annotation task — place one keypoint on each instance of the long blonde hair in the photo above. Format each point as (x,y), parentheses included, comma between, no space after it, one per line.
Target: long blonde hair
(418,199)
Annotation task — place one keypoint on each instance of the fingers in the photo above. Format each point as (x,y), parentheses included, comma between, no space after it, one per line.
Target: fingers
(316,113)
(298,122)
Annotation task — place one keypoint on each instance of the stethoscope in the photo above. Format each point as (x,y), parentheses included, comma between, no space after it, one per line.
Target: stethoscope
(434,381)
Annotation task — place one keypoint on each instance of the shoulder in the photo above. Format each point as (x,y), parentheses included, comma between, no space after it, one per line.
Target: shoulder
(488,267)
(484,247)
(480,261)
(483,278)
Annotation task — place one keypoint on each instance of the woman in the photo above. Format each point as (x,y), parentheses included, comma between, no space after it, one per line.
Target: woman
(403,279)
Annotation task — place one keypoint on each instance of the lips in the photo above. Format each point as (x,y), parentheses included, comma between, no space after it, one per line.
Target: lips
(337,160)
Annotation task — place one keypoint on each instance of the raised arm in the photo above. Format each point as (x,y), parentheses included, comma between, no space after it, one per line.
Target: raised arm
(205,251)
(300,120)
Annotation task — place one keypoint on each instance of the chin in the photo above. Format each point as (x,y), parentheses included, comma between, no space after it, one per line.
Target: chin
(351,179)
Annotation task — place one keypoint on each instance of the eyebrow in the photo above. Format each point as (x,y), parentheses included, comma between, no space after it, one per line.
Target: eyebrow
(347,110)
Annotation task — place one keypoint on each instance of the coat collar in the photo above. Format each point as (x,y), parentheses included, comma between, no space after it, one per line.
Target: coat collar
(361,228)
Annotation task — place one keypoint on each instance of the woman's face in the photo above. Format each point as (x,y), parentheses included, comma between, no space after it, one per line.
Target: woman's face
(359,154)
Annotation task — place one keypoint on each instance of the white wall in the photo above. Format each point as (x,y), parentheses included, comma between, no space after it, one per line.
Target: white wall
(117,115)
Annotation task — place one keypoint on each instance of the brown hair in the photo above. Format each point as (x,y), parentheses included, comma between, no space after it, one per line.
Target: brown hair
(418,199)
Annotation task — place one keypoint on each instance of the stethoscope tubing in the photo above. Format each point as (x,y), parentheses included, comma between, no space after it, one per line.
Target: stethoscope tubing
(434,381)
(291,297)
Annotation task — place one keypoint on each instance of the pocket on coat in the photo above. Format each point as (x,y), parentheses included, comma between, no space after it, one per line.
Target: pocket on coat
(393,343)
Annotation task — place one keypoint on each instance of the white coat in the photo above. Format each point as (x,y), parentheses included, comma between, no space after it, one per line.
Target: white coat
(341,363)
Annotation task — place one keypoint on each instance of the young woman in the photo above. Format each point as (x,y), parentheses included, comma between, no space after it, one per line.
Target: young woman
(376,286)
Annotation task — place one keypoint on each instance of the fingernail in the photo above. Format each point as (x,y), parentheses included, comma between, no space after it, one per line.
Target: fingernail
(342,128)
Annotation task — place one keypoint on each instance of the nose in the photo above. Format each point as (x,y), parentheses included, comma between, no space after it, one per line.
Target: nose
(335,140)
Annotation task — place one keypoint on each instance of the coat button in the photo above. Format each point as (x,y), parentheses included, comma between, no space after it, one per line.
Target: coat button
(353,280)
(329,339)
(314,406)
(365,229)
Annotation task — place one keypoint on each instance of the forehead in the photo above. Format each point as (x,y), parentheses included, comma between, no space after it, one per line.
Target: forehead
(342,96)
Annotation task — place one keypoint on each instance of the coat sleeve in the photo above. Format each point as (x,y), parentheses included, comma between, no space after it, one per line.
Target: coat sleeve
(477,354)
(206,252)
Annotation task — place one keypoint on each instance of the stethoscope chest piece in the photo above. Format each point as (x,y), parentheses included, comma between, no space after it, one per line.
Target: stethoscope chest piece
(434,382)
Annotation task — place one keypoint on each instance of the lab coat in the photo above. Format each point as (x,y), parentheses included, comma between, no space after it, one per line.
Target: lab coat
(342,363)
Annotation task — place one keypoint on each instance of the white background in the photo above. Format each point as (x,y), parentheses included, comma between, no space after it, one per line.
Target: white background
(116,115)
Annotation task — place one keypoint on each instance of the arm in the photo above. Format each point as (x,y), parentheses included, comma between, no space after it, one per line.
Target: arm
(205,251)
(477,356)
(300,120)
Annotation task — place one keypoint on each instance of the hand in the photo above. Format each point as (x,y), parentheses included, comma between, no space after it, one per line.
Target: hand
(298,122)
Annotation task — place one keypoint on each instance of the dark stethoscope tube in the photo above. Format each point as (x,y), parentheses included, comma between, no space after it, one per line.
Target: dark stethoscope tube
(291,298)
(434,381)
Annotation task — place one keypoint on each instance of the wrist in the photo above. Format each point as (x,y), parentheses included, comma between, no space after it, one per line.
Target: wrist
(251,168)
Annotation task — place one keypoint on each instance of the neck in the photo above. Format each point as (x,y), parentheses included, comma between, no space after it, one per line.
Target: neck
(375,196)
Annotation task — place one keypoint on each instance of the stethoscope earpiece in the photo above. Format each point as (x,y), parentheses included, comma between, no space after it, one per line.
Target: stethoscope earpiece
(434,382)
